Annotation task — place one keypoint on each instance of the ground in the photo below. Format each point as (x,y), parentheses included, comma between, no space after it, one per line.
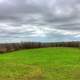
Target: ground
(41,64)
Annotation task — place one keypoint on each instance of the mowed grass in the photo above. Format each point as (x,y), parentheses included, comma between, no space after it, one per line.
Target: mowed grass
(41,64)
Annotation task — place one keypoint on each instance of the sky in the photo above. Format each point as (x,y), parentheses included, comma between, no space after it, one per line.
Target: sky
(39,20)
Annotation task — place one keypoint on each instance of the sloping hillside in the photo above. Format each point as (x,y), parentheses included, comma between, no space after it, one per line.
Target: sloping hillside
(41,64)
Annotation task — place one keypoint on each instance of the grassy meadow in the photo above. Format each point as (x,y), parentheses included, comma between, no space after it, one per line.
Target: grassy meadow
(41,64)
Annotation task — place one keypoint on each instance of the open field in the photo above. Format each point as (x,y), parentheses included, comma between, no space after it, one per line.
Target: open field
(41,64)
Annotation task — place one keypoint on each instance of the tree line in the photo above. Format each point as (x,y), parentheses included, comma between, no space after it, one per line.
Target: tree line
(6,47)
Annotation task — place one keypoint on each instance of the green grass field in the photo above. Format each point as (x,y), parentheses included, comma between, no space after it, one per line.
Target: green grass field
(41,64)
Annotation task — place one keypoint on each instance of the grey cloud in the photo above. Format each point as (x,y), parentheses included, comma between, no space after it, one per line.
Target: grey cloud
(54,14)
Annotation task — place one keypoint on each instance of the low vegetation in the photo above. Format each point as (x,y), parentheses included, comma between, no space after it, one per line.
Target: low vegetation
(7,47)
(41,64)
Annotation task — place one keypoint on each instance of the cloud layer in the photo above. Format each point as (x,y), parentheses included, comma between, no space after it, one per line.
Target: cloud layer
(39,20)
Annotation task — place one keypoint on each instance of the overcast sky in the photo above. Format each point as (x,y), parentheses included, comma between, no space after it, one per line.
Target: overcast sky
(39,20)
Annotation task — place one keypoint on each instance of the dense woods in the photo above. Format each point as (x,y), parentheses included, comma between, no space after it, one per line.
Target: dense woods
(6,47)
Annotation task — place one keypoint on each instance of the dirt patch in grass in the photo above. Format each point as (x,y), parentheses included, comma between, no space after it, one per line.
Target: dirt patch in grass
(35,73)
(76,74)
